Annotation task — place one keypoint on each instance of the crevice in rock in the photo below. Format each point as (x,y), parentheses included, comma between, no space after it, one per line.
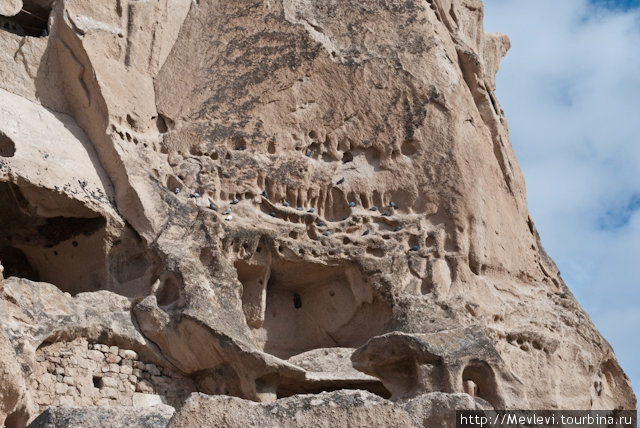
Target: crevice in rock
(18,418)
(168,289)
(326,370)
(222,380)
(7,146)
(472,73)
(30,21)
(441,14)
(287,389)
(89,108)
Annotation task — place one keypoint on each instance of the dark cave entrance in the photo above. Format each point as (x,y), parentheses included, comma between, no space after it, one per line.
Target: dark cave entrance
(32,20)
(297,306)
(49,237)
(63,246)
(7,146)
(479,381)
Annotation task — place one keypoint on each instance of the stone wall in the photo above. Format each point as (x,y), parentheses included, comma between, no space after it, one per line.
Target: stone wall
(79,373)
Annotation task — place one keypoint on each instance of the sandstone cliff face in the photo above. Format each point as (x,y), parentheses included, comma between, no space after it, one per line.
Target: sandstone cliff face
(268,198)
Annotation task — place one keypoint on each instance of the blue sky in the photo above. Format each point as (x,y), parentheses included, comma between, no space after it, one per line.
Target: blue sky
(617,4)
(575,128)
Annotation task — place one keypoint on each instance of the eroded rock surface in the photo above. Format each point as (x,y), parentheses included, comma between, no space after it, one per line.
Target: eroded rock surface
(14,403)
(327,409)
(447,361)
(102,417)
(268,198)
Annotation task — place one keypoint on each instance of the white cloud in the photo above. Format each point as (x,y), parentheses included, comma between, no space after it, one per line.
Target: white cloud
(570,87)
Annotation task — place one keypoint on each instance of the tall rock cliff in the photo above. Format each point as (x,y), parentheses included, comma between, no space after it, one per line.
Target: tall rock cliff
(230,207)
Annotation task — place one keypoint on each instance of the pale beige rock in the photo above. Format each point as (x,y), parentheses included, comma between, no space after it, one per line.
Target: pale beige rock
(130,130)
(460,361)
(438,409)
(340,408)
(329,409)
(146,400)
(14,404)
(10,7)
(39,312)
(329,369)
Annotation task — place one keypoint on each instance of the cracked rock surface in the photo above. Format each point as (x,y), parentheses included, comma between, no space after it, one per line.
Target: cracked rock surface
(272,212)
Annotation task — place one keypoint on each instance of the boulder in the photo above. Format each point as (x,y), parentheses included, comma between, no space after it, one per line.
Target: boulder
(104,417)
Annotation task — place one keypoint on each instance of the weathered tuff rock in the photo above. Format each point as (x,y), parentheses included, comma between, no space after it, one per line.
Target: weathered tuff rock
(259,197)
(327,409)
(115,417)
(13,391)
(410,365)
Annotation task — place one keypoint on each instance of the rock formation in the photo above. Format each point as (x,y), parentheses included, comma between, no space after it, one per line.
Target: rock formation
(299,210)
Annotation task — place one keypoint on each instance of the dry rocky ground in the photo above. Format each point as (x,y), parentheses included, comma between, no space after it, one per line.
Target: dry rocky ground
(271,213)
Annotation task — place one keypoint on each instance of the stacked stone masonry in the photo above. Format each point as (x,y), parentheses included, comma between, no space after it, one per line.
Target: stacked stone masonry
(79,373)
